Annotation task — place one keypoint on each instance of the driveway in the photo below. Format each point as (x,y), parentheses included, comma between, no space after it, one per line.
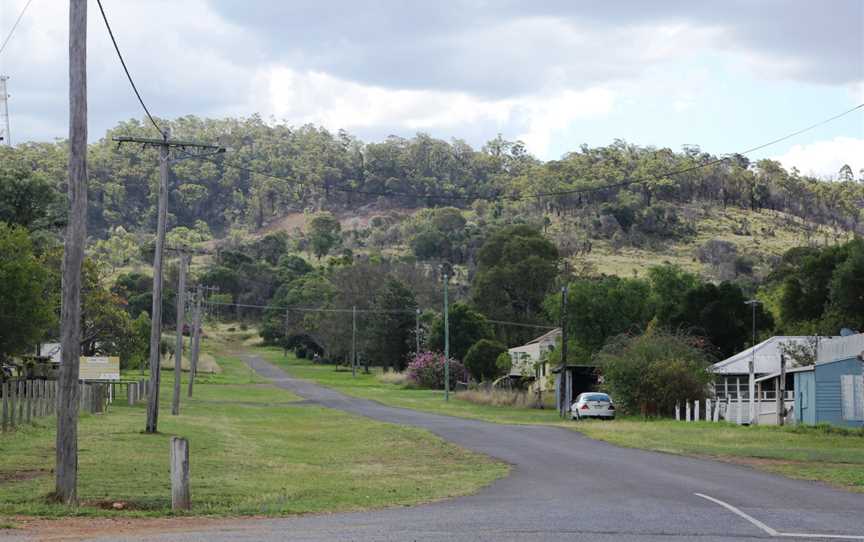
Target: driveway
(565,486)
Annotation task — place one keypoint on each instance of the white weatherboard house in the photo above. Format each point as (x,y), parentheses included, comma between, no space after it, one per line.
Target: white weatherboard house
(525,356)
(732,374)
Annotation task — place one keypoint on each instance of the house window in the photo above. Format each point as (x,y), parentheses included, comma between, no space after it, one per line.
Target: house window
(852,397)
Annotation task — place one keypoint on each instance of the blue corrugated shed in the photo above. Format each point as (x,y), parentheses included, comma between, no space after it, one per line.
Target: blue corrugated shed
(820,393)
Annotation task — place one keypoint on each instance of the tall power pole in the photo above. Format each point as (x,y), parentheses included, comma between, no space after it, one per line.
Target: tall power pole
(446,340)
(5,135)
(562,397)
(196,338)
(66,471)
(354,341)
(165,144)
(178,349)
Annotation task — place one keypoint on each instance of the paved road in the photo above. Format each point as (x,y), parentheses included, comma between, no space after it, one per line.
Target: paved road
(566,487)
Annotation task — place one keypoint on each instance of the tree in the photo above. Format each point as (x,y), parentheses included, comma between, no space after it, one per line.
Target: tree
(26,308)
(845,174)
(481,359)
(516,268)
(598,309)
(390,334)
(118,249)
(719,314)
(650,373)
(324,232)
(846,295)
(669,285)
(467,326)
(27,197)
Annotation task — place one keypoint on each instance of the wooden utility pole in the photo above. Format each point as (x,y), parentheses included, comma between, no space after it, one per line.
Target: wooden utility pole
(354,341)
(446,340)
(178,349)
(66,468)
(196,338)
(563,378)
(781,392)
(164,144)
(417,332)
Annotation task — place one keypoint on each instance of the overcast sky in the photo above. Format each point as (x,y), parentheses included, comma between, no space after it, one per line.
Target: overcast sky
(726,75)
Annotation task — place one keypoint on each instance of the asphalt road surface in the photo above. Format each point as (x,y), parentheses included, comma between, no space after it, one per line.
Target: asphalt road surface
(563,487)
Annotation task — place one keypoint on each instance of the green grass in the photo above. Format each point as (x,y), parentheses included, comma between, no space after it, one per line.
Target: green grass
(832,456)
(368,386)
(809,453)
(253,452)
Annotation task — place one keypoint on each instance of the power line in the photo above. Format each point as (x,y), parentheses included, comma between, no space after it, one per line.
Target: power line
(472,197)
(14,26)
(368,311)
(125,69)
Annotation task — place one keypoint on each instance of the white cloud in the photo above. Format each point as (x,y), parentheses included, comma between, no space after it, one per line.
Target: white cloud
(320,98)
(825,158)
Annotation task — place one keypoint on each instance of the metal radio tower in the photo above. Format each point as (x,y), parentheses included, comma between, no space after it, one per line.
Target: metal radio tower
(5,137)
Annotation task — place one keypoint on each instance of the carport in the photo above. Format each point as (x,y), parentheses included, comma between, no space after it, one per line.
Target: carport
(572,380)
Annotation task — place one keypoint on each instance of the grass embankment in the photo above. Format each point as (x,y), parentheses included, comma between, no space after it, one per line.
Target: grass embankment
(254,450)
(798,452)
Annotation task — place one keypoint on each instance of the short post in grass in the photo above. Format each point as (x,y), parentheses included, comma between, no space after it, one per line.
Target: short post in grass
(5,405)
(677,412)
(708,406)
(181,499)
(686,411)
(716,417)
(696,416)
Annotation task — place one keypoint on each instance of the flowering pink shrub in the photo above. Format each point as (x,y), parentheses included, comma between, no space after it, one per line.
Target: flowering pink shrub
(427,371)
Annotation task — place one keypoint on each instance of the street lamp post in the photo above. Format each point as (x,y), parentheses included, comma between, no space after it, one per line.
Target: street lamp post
(751,388)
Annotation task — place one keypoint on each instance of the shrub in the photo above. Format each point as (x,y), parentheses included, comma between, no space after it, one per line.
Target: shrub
(426,370)
(481,357)
(649,373)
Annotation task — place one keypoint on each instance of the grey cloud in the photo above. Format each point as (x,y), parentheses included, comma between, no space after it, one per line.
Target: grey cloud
(462,44)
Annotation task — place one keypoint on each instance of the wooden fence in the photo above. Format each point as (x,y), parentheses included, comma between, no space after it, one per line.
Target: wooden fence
(23,401)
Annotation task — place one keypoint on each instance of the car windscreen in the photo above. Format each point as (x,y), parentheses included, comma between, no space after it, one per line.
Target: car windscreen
(596,397)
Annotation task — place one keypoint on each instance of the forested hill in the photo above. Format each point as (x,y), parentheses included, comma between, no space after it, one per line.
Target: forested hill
(323,170)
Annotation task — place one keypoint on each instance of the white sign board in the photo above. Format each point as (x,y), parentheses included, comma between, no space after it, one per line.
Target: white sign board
(99,368)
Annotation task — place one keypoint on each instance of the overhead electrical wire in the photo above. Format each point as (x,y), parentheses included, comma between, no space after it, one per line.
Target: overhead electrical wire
(351,310)
(126,69)
(14,26)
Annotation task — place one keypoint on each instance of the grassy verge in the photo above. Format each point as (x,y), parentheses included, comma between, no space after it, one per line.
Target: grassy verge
(254,450)
(809,453)
(798,452)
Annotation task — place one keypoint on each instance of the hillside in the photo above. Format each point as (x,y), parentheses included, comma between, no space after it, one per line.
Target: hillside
(755,239)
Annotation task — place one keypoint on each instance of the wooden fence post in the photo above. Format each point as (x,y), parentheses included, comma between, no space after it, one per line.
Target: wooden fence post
(708,405)
(180,496)
(716,417)
(686,411)
(13,402)
(740,411)
(677,412)
(696,416)
(130,394)
(5,405)
(28,393)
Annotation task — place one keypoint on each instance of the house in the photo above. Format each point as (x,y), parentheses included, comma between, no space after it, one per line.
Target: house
(524,358)
(830,392)
(732,375)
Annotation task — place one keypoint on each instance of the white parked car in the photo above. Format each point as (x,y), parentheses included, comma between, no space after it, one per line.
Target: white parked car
(593,405)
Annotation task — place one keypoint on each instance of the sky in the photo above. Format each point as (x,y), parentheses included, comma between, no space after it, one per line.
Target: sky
(556,74)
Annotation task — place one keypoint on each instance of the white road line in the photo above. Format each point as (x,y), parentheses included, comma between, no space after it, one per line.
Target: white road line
(772,532)
(734,510)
